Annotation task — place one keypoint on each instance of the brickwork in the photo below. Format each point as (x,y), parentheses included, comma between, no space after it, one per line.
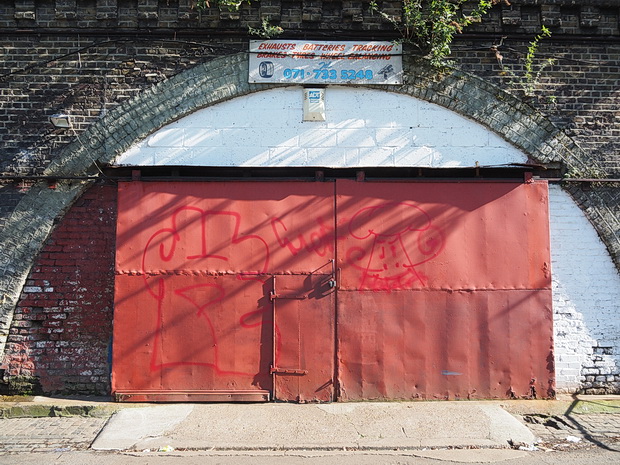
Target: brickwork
(124,69)
(204,85)
(86,75)
(579,92)
(593,17)
(11,194)
(601,204)
(586,292)
(22,236)
(62,326)
(85,85)
(225,78)
(263,129)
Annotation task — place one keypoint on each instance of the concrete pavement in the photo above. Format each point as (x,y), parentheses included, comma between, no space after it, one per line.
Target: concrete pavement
(488,430)
(365,425)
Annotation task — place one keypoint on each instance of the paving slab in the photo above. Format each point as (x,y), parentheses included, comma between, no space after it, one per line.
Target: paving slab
(48,433)
(570,423)
(127,427)
(359,426)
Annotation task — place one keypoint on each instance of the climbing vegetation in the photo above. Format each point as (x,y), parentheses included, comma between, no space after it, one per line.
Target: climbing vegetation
(266,30)
(533,66)
(429,26)
(230,5)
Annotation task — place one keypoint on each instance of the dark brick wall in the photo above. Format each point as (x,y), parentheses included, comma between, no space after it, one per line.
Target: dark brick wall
(48,76)
(62,327)
(579,92)
(84,58)
(10,195)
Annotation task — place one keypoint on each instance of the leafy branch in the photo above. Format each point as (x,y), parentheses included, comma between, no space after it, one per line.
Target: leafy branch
(230,5)
(266,31)
(430,25)
(531,71)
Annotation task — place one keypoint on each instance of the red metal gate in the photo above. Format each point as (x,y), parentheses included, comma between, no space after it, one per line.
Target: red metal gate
(194,312)
(445,290)
(335,290)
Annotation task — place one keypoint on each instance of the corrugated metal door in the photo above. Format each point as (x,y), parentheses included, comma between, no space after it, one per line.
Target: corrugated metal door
(346,290)
(445,290)
(194,308)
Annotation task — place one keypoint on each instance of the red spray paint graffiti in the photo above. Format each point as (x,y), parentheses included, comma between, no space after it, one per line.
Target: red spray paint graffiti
(203,267)
(383,258)
(385,262)
(321,240)
(192,237)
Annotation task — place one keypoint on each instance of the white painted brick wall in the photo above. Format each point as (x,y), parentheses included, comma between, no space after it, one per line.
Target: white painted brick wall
(363,127)
(586,296)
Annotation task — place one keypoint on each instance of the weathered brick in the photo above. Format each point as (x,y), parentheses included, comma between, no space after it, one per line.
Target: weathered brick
(54,332)
(107,80)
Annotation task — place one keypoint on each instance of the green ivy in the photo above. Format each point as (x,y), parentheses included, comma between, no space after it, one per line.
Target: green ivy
(532,67)
(430,25)
(266,31)
(230,5)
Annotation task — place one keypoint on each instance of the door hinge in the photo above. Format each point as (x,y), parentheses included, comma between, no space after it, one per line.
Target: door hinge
(287,371)
(273,296)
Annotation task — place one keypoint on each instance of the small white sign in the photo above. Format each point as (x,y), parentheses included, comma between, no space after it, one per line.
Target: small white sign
(314,104)
(323,62)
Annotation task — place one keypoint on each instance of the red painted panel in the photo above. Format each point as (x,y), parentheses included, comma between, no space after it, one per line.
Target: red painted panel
(194,270)
(445,345)
(248,227)
(443,235)
(191,332)
(444,290)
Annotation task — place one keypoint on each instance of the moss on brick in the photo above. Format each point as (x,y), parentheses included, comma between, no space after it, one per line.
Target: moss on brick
(22,386)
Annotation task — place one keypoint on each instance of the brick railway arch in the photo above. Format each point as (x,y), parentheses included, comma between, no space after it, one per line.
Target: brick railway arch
(225,78)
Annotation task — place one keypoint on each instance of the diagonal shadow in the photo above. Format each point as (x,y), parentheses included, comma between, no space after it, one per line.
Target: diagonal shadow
(574,421)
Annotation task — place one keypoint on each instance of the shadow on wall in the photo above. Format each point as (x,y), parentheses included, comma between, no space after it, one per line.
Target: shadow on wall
(266,129)
(62,326)
(586,292)
(200,257)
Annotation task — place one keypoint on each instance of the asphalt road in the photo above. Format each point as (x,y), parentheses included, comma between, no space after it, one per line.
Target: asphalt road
(593,456)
